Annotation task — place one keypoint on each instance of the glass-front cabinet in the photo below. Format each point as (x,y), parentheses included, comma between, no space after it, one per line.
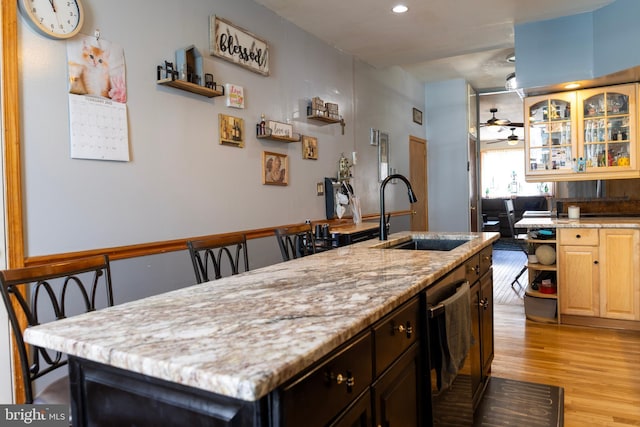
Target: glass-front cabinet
(582,135)
(550,134)
(607,128)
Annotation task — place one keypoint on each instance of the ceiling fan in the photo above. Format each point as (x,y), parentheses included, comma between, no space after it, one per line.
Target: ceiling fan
(511,139)
(494,121)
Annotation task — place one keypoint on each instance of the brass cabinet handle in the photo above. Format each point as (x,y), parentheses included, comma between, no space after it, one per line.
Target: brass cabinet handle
(347,380)
(402,329)
(484,303)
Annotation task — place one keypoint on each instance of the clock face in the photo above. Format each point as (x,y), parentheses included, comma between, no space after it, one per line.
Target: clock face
(57,19)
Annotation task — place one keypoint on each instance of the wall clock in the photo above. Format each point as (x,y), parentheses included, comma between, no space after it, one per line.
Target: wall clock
(56,19)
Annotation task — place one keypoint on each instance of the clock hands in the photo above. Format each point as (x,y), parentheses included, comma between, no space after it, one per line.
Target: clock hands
(53,6)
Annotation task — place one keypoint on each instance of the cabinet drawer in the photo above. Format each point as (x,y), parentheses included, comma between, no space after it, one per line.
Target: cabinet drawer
(395,334)
(329,388)
(486,260)
(578,236)
(472,269)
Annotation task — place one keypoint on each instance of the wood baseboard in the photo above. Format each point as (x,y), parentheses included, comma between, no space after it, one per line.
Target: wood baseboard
(600,322)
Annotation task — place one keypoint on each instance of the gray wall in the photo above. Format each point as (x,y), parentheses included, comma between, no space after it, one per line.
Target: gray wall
(448,153)
(180,182)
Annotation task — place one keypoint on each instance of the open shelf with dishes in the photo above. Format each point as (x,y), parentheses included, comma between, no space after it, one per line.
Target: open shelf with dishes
(541,293)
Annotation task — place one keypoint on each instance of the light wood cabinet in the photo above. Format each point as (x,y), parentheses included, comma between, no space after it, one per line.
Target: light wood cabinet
(599,274)
(620,274)
(582,135)
(578,280)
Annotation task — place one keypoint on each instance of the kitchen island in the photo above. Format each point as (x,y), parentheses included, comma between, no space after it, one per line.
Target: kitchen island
(225,346)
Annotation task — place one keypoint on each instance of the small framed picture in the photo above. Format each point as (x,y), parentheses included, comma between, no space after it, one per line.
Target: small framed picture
(309,147)
(417,116)
(275,168)
(320,188)
(231,130)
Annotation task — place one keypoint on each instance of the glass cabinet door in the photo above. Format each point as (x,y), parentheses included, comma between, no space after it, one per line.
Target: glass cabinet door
(607,127)
(550,133)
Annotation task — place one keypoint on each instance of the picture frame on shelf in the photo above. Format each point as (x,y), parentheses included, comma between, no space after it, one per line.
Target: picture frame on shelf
(309,147)
(383,156)
(231,130)
(417,116)
(275,168)
(320,188)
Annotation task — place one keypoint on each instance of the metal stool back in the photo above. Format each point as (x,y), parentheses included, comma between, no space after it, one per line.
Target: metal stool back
(208,256)
(51,292)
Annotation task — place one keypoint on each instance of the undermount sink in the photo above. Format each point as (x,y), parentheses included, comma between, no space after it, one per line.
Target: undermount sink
(430,244)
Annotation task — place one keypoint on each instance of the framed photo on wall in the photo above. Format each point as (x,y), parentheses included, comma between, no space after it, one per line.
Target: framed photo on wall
(309,147)
(383,156)
(275,168)
(417,116)
(231,130)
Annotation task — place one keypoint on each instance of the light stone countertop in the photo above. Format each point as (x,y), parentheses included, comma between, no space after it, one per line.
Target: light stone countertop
(245,335)
(583,222)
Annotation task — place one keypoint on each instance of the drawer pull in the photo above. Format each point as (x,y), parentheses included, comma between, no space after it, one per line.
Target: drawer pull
(484,303)
(473,269)
(578,236)
(402,329)
(595,262)
(347,380)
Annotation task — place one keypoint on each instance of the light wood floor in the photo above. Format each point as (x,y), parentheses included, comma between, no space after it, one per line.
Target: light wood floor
(598,368)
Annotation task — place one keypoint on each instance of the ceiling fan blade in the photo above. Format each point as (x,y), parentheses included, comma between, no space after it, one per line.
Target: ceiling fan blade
(518,125)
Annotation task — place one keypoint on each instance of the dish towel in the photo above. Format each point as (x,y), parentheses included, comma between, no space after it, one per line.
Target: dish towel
(455,340)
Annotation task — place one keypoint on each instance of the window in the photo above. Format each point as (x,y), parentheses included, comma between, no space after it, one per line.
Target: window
(502,175)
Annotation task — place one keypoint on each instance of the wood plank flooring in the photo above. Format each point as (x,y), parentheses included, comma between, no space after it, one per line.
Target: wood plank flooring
(598,368)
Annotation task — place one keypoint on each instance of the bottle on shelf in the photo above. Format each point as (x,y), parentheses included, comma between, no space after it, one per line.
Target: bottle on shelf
(263,125)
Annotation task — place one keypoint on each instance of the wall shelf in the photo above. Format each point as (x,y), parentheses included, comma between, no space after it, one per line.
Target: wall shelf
(323,119)
(294,138)
(191,87)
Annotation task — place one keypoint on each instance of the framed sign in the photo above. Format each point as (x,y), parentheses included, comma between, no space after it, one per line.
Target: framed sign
(280,129)
(238,46)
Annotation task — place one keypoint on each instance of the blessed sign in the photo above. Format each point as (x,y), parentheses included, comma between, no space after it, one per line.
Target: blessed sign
(237,45)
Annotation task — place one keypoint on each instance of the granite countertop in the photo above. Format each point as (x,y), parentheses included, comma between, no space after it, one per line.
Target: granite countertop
(243,336)
(584,222)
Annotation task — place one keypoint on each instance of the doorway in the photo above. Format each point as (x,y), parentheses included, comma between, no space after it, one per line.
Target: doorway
(418,177)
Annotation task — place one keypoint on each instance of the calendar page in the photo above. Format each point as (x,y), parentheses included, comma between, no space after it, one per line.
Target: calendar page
(98,128)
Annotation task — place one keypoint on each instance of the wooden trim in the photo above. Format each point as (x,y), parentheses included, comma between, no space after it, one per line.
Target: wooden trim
(153,248)
(600,322)
(13,172)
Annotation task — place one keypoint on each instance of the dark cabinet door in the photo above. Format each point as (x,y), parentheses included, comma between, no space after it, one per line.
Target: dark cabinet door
(357,415)
(397,393)
(486,314)
(475,353)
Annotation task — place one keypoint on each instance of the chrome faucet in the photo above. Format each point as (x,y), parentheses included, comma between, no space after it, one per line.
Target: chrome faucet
(384,224)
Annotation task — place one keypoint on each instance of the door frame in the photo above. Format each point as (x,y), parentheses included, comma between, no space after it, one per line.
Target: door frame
(422,198)
(13,208)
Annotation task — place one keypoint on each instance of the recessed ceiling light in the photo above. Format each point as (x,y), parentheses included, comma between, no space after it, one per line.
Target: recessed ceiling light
(399,8)
(572,86)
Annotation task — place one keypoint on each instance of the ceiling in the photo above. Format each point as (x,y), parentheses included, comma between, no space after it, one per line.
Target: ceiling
(435,40)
